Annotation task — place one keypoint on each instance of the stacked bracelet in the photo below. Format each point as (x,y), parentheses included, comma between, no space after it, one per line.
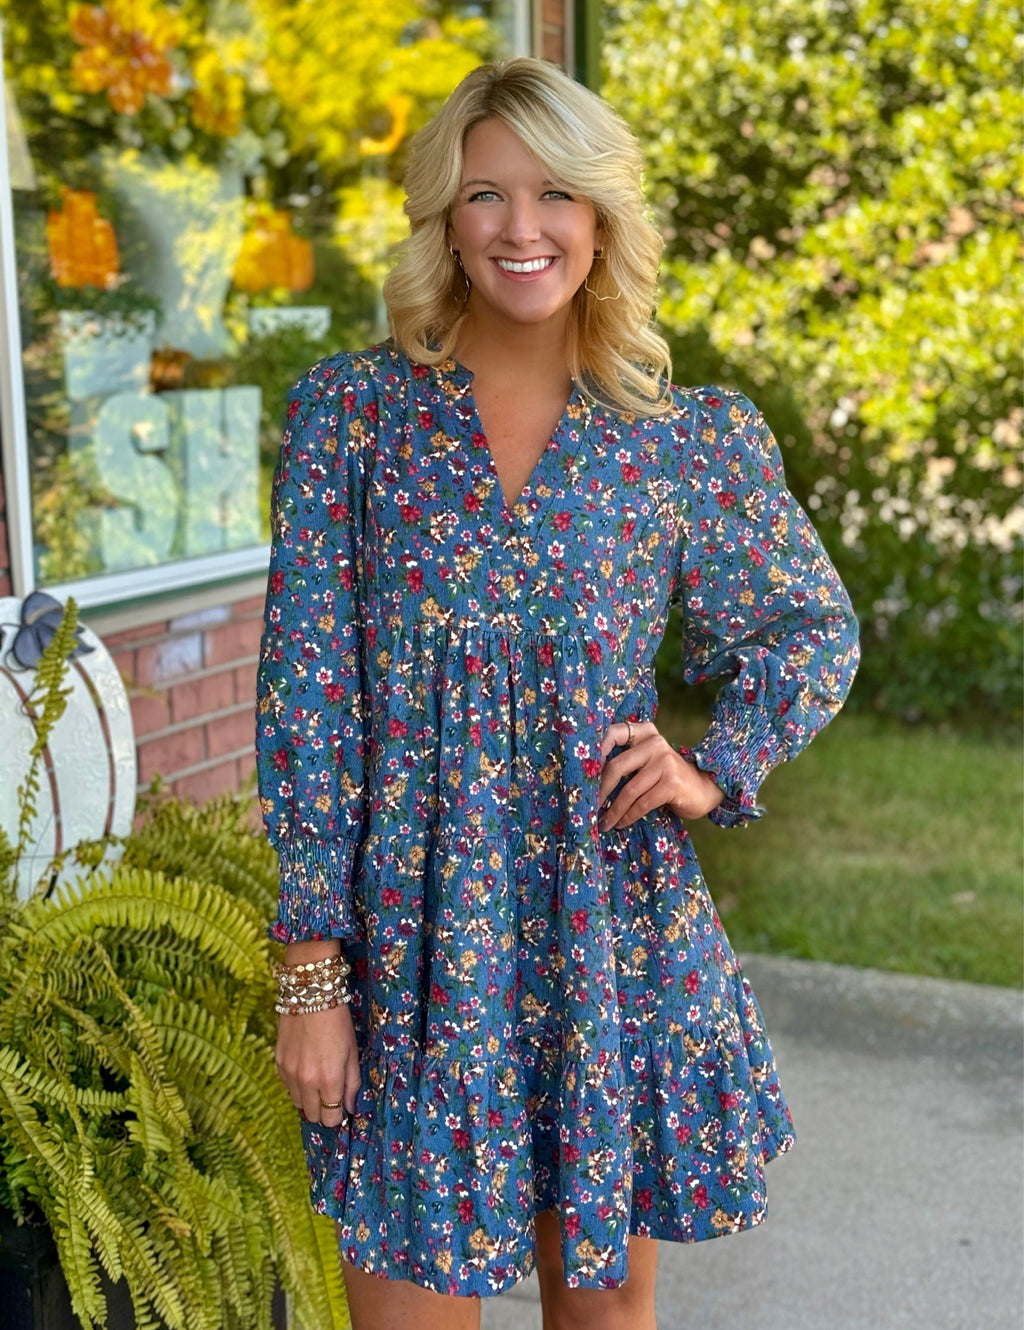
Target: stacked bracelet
(314,986)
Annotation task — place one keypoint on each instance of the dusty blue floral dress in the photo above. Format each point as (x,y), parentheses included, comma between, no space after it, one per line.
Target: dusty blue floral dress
(548,1015)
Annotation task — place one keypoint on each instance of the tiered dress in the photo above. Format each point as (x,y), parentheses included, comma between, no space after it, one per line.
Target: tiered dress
(548,1015)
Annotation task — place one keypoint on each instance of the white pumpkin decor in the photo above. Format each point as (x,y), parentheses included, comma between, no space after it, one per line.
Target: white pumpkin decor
(88,775)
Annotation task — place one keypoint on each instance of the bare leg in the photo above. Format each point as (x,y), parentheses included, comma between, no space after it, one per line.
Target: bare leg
(628,1307)
(399,1304)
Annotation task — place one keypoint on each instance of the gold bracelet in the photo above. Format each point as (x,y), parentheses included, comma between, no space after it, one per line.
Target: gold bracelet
(311,986)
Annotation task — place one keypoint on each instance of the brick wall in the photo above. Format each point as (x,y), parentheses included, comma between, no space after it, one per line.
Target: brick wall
(550,40)
(192,686)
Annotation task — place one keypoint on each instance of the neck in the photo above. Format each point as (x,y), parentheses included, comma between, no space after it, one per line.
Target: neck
(515,353)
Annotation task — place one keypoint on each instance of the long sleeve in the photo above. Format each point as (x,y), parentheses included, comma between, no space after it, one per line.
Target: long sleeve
(762,604)
(312,705)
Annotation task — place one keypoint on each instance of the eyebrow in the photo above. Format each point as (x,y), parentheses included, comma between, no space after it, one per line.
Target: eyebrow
(493,183)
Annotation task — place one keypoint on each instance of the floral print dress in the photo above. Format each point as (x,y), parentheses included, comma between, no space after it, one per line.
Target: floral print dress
(548,1015)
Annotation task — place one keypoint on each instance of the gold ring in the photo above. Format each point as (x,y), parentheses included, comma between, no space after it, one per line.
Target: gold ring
(629,736)
(339,1104)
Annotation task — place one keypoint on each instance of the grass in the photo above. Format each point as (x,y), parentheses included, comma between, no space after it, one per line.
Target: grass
(883,845)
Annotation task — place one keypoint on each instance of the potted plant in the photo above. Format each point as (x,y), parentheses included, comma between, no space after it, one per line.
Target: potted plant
(141,1115)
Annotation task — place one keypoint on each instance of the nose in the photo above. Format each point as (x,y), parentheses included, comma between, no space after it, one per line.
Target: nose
(522,221)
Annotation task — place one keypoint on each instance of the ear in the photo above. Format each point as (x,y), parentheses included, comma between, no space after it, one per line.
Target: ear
(599,236)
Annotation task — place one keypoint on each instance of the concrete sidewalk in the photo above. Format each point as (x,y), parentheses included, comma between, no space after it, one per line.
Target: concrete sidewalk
(900,1207)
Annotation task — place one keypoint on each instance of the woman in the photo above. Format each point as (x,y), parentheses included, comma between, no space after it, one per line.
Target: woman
(551,1056)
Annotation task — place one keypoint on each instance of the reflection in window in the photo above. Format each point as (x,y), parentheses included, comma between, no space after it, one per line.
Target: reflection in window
(204,198)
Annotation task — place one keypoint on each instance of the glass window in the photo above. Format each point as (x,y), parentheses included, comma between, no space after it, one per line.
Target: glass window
(204,198)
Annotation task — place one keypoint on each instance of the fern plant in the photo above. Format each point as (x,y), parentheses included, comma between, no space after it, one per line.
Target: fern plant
(140,1108)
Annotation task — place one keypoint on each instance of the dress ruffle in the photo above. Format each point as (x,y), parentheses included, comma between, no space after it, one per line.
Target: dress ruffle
(667,1140)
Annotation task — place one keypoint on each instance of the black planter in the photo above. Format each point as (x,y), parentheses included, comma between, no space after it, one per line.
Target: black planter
(34,1293)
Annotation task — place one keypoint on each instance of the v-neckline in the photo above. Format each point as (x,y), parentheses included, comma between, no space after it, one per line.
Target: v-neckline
(508,512)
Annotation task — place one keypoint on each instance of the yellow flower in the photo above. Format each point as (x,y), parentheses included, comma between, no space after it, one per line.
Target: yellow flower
(218,100)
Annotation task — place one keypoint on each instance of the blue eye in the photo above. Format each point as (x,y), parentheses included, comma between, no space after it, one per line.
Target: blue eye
(559,193)
(482,194)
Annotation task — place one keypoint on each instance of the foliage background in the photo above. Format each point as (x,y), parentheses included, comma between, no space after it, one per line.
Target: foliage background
(838,184)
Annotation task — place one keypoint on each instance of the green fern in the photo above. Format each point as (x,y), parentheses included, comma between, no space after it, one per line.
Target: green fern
(140,1108)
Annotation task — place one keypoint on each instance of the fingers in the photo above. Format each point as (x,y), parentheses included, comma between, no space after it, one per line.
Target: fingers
(318,1060)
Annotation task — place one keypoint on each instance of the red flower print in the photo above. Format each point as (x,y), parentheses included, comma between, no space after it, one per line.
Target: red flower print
(644,1199)
(693,578)
(572,1225)
(414,580)
(728,1099)
(700,1196)
(692,982)
(333,692)
(293,409)
(277,582)
(580,919)
(465,1210)
(594,651)
(281,759)
(460,1138)
(727,499)
(397,728)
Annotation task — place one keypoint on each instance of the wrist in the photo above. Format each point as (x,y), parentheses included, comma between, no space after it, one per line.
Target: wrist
(301,953)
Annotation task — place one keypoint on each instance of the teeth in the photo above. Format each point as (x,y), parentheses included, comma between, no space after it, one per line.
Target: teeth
(529,265)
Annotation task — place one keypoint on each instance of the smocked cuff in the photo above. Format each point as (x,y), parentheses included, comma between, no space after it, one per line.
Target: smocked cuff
(738,751)
(316,899)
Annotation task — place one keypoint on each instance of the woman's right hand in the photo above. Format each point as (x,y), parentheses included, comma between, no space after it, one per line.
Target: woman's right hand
(318,1059)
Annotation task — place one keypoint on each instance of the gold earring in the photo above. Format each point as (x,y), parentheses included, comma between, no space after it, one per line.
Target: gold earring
(590,289)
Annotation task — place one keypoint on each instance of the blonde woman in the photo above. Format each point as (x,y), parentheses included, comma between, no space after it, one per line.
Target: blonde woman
(511,1019)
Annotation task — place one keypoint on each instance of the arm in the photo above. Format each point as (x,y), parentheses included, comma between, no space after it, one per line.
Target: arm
(763,606)
(312,706)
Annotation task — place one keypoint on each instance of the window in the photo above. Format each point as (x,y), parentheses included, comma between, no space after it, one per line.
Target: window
(204,195)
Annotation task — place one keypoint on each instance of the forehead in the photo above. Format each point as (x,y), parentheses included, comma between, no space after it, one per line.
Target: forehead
(492,146)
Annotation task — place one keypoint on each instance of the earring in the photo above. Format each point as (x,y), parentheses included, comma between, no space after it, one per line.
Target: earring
(586,287)
(465,275)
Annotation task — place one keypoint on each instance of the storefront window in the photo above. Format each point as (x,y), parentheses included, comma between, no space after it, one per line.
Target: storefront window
(204,198)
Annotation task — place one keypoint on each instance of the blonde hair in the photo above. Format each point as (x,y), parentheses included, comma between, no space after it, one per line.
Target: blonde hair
(614,352)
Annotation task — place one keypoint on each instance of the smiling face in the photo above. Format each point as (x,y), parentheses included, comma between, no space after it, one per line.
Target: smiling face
(525,244)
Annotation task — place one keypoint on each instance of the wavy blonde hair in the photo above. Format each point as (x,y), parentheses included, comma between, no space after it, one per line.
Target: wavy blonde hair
(614,351)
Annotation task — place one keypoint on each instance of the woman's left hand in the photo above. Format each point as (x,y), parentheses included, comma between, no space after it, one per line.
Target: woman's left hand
(661,777)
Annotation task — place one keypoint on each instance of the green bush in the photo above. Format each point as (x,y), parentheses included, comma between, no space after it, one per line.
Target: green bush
(838,190)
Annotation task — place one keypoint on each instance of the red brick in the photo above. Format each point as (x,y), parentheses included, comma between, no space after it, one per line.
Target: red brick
(126,635)
(229,734)
(150,712)
(171,753)
(245,683)
(554,13)
(202,785)
(233,641)
(124,663)
(5,585)
(241,609)
(552,45)
(5,553)
(200,697)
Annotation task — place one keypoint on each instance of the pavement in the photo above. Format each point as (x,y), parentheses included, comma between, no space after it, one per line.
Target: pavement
(900,1207)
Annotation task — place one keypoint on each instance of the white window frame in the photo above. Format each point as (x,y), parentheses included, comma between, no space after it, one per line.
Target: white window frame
(104,589)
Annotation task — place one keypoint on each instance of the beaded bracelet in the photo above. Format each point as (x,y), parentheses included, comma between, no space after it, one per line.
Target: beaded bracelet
(313,986)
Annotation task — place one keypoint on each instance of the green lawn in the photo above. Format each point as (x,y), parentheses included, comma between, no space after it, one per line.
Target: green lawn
(883,845)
